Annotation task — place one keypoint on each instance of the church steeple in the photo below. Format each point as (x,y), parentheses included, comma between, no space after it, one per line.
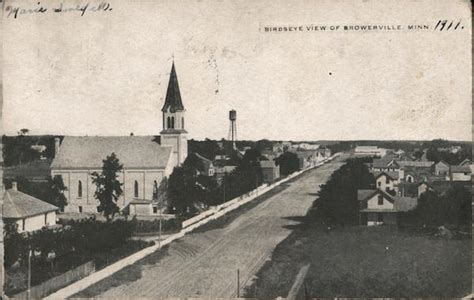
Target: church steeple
(173,101)
(174,133)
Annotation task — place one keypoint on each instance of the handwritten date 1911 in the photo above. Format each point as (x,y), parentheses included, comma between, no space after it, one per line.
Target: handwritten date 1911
(16,11)
(445,25)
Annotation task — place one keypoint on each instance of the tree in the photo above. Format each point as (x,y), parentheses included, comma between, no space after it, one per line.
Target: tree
(181,191)
(23,132)
(56,191)
(108,186)
(418,154)
(337,202)
(288,163)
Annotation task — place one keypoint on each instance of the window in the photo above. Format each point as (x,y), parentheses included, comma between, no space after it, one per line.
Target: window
(387,180)
(80,209)
(182,122)
(155,209)
(155,190)
(79,189)
(380,183)
(172,122)
(135,189)
(168,122)
(380,200)
(46,219)
(23,224)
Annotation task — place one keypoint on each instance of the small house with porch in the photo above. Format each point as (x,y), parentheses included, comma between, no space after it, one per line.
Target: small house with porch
(379,208)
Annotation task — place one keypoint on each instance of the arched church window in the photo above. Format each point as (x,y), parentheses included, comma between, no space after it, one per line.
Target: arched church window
(172,122)
(155,190)
(79,189)
(135,190)
(168,123)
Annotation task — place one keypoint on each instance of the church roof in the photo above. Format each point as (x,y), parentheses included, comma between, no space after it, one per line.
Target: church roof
(132,151)
(18,205)
(173,101)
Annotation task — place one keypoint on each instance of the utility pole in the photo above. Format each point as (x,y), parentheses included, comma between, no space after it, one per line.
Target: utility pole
(29,276)
(160,207)
(238,283)
(223,200)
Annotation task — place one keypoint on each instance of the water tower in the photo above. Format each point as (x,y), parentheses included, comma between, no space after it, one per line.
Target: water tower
(233,127)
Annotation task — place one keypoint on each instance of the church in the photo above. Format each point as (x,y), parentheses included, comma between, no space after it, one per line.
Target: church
(146,160)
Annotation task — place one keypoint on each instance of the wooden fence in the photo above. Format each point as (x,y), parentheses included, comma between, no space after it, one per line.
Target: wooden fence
(55,283)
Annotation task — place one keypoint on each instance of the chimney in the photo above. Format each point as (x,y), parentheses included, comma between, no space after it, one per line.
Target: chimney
(14,186)
(56,146)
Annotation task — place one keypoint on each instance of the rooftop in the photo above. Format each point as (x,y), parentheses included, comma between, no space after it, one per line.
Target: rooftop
(132,151)
(17,205)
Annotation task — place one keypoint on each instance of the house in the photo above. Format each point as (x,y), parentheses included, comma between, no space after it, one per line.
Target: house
(206,167)
(414,166)
(387,181)
(465,162)
(441,168)
(441,187)
(146,160)
(459,173)
(386,163)
(377,207)
(270,171)
(29,213)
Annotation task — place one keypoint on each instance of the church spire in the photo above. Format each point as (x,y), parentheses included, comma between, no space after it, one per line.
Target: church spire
(173,101)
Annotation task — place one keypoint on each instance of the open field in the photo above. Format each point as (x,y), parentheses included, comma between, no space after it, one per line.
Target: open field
(368,262)
(204,264)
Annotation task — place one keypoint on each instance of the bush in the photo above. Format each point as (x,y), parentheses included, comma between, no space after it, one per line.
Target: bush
(82,237)
(452,208)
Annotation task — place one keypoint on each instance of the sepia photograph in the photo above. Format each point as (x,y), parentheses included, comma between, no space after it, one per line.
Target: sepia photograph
(236,149)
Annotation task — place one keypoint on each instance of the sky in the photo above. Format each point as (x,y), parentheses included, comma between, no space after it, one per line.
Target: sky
(106,73)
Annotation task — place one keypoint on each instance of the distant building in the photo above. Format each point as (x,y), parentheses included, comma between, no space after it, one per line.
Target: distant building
(270,171)
(207,167)
(441,168)
(387,181)
(441,187)
(146,159)
(379,208)
(29,213)
(370,151)
(459,173)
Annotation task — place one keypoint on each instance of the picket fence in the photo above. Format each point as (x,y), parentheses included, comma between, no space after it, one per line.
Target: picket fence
(55,283)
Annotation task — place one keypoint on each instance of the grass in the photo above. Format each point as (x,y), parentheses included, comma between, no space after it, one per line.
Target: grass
(367,262)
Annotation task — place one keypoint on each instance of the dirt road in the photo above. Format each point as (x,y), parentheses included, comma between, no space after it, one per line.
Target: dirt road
(205,264)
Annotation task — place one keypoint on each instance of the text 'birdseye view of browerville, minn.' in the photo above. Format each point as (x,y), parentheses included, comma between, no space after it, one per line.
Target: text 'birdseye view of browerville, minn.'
(155,154)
